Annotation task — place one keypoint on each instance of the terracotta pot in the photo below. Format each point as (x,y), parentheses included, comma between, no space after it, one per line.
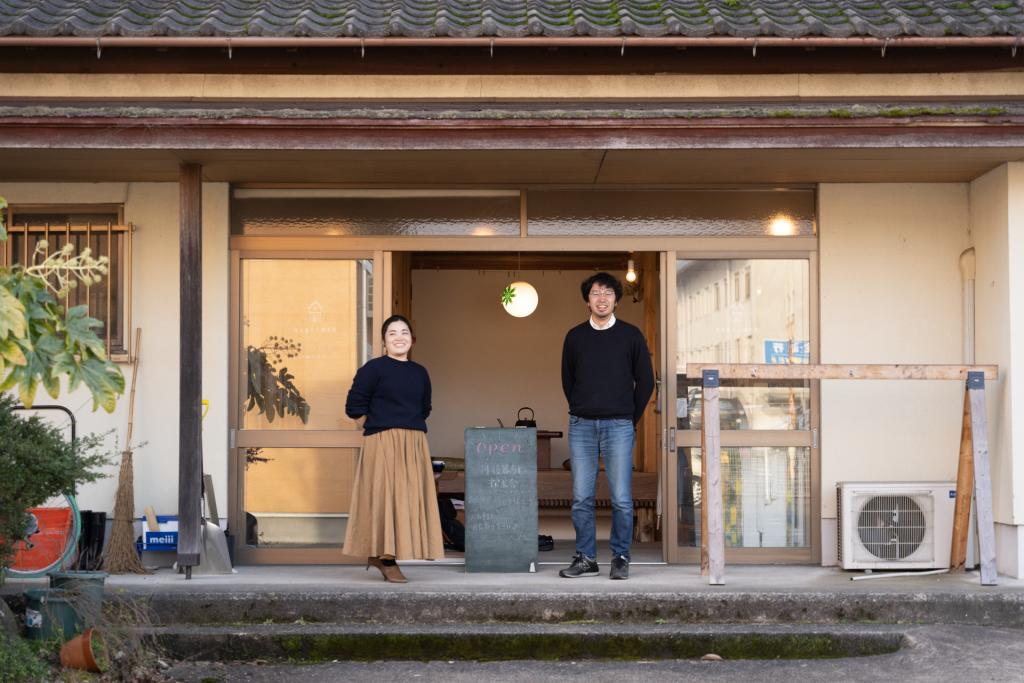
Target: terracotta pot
(78,652)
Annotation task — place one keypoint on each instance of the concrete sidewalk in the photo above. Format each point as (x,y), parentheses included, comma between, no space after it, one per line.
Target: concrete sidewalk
(445,593)
(441,577)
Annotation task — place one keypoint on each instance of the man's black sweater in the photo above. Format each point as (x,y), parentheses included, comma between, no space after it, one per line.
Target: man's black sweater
(607,373)
(392,394)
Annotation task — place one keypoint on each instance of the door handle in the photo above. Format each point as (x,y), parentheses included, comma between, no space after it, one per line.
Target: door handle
(657,392)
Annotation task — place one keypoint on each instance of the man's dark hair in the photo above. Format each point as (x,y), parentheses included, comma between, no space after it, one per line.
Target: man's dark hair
(605,279)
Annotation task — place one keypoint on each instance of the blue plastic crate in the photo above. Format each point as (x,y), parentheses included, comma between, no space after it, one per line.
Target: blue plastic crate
(164,540)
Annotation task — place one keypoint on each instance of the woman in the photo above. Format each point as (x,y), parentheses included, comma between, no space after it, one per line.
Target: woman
(394,512)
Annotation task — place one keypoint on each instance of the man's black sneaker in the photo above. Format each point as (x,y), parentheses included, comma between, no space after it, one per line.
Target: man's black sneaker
(620,568)
(581,566)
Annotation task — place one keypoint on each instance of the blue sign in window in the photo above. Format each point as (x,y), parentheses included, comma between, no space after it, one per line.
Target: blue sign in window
(778,351)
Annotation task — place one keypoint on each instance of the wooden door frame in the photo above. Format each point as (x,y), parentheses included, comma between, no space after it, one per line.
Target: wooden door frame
(239,439)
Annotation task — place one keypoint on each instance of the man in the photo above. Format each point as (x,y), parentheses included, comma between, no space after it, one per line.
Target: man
(607,379)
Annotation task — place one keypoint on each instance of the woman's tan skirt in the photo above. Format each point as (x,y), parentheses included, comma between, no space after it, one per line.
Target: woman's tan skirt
(394,500)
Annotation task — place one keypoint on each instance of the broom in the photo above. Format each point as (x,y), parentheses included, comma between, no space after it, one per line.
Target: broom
(121,556)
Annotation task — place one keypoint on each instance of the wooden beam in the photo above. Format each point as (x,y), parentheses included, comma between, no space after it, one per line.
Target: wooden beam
(646,264)
(752,371)
(713,540)
(982,479)
(190,443)
(964,492)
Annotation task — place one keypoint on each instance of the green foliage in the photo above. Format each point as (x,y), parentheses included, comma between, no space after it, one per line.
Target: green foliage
(20,662)
(37,463)
(40,341)
(49,342)
(271,389)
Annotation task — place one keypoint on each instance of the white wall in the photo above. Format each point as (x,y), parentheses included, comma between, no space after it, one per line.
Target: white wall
(997,230)
(485,364)
(153,209)
(890,293)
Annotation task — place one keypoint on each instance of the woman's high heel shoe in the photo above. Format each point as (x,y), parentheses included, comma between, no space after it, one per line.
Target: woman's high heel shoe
(391,571)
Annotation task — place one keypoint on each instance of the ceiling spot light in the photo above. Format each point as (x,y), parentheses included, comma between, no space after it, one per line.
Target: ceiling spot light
(782,226)
(519,299)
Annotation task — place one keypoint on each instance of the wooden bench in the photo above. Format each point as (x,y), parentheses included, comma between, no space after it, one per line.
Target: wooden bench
(554,490)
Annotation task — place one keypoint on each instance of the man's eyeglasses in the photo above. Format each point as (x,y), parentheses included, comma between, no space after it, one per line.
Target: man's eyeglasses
(602,293)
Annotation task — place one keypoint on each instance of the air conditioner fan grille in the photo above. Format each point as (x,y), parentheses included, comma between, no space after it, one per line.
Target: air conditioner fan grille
(891,527)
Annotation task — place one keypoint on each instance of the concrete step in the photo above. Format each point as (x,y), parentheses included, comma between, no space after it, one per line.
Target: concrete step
(494,642)
(403,607)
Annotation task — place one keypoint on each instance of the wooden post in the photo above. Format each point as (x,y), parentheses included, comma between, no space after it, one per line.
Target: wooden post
(190,444)
(964,492)
(712,557)
(982,478)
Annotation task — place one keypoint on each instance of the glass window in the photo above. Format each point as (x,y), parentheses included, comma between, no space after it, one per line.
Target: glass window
(376,212)
(766,497)
(770,326)
(306,329)
(297,496)
(82,227)
(740,213)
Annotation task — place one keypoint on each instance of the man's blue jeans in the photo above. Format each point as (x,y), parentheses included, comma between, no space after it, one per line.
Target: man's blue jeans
(613,440)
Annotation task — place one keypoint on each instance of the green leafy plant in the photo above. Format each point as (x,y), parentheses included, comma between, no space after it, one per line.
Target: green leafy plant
(20,662)
(507,295)
(270,388)
(38,462)
(40,341)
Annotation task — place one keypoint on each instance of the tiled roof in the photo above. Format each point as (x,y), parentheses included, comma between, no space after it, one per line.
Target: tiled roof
(511,18)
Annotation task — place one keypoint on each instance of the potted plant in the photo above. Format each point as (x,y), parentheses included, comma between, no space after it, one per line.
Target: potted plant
(85,651)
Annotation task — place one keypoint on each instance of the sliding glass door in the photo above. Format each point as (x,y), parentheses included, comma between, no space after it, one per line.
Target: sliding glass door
(303,326)
(743,310)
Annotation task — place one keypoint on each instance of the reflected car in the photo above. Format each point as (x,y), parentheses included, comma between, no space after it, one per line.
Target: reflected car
(732,414)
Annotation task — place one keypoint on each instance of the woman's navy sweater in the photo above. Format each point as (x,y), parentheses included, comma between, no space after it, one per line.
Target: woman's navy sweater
(392,394)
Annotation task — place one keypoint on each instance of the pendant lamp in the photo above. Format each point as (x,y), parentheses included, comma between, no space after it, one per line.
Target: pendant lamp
(519,299)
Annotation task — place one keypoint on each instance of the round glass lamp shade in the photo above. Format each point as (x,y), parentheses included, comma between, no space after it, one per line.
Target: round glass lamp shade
(519,299)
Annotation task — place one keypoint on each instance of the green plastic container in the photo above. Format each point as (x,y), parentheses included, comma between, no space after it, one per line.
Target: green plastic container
(88,584)
(51,613)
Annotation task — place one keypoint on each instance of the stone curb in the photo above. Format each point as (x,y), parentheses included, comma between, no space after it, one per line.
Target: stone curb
(362,642)
(995,609)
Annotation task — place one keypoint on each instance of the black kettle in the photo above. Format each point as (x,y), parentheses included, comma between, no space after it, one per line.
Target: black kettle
(525,422)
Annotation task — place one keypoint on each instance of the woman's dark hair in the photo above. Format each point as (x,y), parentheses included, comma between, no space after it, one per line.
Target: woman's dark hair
(396,319)
(605,279)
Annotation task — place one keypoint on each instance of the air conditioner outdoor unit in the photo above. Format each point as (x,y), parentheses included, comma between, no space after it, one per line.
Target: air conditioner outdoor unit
(895,525)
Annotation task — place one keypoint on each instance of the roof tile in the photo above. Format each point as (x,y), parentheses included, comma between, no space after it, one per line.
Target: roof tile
(511,18)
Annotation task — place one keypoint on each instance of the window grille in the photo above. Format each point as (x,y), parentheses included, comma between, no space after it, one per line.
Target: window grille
(103,231)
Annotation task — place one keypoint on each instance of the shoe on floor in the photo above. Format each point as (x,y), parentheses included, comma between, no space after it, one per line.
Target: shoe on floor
(581,566)
(620,568)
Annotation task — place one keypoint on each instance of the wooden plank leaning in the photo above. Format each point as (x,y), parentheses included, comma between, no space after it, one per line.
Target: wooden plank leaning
(713,541)
(982,478)
(964,492)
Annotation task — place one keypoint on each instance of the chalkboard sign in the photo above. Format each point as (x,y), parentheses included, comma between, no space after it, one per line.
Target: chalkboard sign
(501,499)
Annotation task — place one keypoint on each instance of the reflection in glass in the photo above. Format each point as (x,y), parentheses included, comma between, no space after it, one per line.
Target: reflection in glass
(306,328)
(768,404)
(739,213)
(766,497)
(297,496)
(744,311)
